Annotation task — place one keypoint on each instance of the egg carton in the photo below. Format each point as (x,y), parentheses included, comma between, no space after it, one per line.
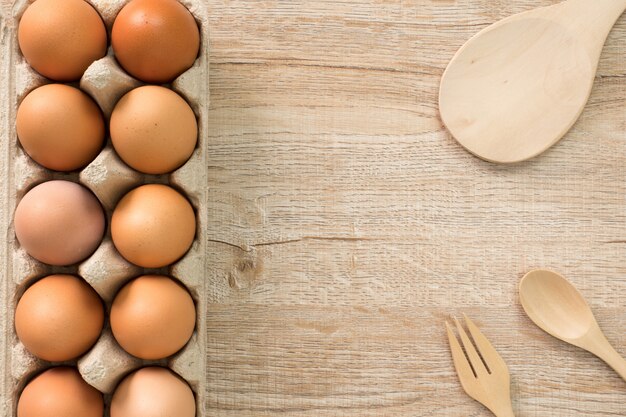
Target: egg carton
(109,178)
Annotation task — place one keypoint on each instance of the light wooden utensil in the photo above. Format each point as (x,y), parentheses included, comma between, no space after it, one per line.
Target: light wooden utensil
(516,87)
(557,307)
(485,377)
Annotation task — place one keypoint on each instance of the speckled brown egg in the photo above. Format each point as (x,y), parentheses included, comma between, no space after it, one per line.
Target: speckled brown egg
(59,222)
(60,392)
(152,317)
(153,129)
(153,392)
(61,38)
(155,40)
(153,225)
(59,318)
(60,127)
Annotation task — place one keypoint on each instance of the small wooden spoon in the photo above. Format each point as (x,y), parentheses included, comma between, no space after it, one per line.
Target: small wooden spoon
(560,310)
(516,87)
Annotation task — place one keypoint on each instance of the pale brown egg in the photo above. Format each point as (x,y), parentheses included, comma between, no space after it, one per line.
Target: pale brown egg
(152,317)
(59,318)
(153,129)
(61,38)
(155,40)
(60,392)
(153,392)
(60,127)
(153,225)
(59,222)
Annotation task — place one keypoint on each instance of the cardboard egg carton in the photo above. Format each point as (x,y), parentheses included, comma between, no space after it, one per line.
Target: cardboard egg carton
(109,178)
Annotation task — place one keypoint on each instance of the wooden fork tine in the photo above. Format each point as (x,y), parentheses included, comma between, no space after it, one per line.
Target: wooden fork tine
(474,358)
(491,389)
(463,369)
(490,355)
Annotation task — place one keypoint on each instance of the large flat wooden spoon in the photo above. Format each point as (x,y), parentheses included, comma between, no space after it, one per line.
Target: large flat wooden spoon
(516,87)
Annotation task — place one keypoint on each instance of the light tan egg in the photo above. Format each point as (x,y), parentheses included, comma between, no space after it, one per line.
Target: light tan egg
(59,222)
(61,38)
(60,127)
(153,129)
(153,392)
(59,318)
(153,225)
(155,40)
(152,317)
(60,392)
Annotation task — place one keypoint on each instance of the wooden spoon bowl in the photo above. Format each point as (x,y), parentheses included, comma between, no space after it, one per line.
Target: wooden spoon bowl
(516,88)
(557,307)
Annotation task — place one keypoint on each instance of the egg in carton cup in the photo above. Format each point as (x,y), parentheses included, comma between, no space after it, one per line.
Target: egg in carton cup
(106,363)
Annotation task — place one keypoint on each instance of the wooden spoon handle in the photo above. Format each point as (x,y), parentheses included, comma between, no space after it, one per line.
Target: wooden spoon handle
(596,342)
(615,7)
(615,361)
(595,17)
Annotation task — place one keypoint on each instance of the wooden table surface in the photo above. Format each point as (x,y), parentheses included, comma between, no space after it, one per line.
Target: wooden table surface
(346,225)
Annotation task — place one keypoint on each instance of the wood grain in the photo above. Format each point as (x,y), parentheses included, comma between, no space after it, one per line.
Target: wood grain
(346,224)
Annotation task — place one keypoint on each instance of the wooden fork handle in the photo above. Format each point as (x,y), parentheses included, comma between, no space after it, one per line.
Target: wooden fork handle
(505,411)
(501,406)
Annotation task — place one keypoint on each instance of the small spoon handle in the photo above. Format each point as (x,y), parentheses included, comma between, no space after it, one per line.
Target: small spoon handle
(614,360)
(597,343)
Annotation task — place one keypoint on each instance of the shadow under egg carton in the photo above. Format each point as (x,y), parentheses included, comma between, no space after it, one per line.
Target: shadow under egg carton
(109,179)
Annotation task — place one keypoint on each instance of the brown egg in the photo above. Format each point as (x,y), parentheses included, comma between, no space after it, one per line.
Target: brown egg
(60,127)
(155,40)
(61,38)
(153,129)
(153,226)
(59,318)
(153,317)
(59,222)
(60,392)
(153,392)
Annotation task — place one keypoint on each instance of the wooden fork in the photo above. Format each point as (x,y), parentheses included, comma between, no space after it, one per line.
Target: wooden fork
(486,380)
